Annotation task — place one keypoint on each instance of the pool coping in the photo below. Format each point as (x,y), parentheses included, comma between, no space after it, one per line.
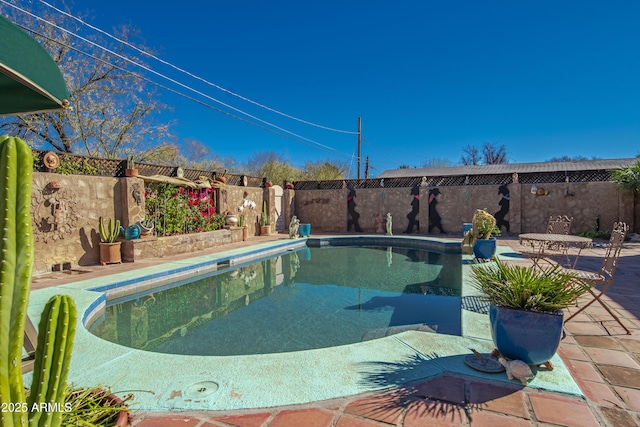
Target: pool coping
(164,382)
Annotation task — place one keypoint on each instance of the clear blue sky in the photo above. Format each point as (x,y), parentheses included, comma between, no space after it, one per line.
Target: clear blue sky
(544,78)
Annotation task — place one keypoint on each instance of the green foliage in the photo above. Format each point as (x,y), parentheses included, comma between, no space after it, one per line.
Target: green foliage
(90,407)
(177,210)
(16,263)
(323,171)
(71,165)
(264,215)
(628,178)
(58,319)
(53,354)
(110,232)
(484,224)
(527,288)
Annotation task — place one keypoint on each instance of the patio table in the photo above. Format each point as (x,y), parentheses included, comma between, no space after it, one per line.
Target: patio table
(540,242)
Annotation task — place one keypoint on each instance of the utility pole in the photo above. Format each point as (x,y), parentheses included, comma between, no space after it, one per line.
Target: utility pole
(366,167)
(359,142)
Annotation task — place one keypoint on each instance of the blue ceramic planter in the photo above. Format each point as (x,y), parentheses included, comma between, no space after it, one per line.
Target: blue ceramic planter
(485,248)
(304,230)
(531,336)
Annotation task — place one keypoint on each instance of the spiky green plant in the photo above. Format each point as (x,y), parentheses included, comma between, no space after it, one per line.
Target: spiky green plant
(628,178)
(110,232)
(16,264)
(527,288)
(264,215)
(55,342)
(16,242)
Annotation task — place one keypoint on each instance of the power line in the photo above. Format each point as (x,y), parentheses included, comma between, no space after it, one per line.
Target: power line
(179,93)
(323,147)
(197,77)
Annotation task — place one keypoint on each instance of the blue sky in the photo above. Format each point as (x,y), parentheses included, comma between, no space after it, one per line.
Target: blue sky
(544,78)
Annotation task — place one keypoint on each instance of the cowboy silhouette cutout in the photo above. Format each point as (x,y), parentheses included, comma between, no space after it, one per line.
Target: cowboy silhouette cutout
(352,215)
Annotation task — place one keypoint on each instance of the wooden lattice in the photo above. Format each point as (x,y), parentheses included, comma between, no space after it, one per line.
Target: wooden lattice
(116,168)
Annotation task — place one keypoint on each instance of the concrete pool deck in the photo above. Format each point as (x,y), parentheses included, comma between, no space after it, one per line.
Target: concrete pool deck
(397,372)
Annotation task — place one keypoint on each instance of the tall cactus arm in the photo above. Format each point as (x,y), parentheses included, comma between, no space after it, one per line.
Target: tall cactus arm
(53,355)
(16,263)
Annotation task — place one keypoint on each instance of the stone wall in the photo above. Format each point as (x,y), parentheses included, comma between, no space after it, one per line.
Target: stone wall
(66,208)
(326,210)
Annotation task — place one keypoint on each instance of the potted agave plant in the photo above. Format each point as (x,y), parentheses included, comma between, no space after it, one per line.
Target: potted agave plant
(109,247)
(526,307)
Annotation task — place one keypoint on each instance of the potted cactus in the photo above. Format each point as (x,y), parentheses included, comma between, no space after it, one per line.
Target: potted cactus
(131,170)
(264,221)
(109,247)
(478,240)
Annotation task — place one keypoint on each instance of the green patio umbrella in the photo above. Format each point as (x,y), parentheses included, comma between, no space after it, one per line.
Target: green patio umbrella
(30,80)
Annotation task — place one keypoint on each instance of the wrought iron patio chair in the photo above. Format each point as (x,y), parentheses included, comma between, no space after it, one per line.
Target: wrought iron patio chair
(560,224)
(604,277)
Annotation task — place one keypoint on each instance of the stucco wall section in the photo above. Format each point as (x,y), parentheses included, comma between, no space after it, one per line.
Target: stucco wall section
(326,210)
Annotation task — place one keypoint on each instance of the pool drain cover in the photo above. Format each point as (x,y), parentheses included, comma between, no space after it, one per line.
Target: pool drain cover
(201,389)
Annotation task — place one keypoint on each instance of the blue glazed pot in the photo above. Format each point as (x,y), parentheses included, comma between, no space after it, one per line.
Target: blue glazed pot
(485,248)
(304,230)
(531,336)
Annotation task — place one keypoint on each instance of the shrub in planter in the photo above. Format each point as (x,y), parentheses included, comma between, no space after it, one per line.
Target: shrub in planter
(526,307)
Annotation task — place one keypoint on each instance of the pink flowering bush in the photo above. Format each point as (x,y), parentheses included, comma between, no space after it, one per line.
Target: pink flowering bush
(177,210)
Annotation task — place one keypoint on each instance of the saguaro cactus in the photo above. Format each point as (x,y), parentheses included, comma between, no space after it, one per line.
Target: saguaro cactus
(53,354)
(57,326)
(16,263)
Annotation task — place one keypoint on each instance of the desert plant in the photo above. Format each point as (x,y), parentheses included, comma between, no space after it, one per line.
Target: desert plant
(92,406)
(527,288)
(57,325)
(628,178)
(53,353)
(110,233)
(483,224)
(264,215)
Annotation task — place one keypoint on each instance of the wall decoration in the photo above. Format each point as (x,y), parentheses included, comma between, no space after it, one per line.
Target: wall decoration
(504,208)
(55,212)
(136,193)
(434,217)
(415,210)
(352,215)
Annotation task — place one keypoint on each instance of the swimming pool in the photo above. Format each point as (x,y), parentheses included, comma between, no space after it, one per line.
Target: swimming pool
(304,298)
(164,382)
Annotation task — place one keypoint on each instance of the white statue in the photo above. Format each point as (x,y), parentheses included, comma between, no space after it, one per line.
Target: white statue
(293,227)
(389,225)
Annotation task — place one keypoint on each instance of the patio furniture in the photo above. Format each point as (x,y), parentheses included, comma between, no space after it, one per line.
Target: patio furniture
(604,277)
(30,340)
(560,224)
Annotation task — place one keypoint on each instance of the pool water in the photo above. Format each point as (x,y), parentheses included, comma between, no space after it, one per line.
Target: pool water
(303,299)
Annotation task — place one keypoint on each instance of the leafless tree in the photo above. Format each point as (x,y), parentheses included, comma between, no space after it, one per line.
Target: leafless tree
(114,111)
(470,156)
(491,155)
(494,155)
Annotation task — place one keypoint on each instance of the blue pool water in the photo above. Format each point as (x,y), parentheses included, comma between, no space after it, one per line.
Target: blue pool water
(313,297)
